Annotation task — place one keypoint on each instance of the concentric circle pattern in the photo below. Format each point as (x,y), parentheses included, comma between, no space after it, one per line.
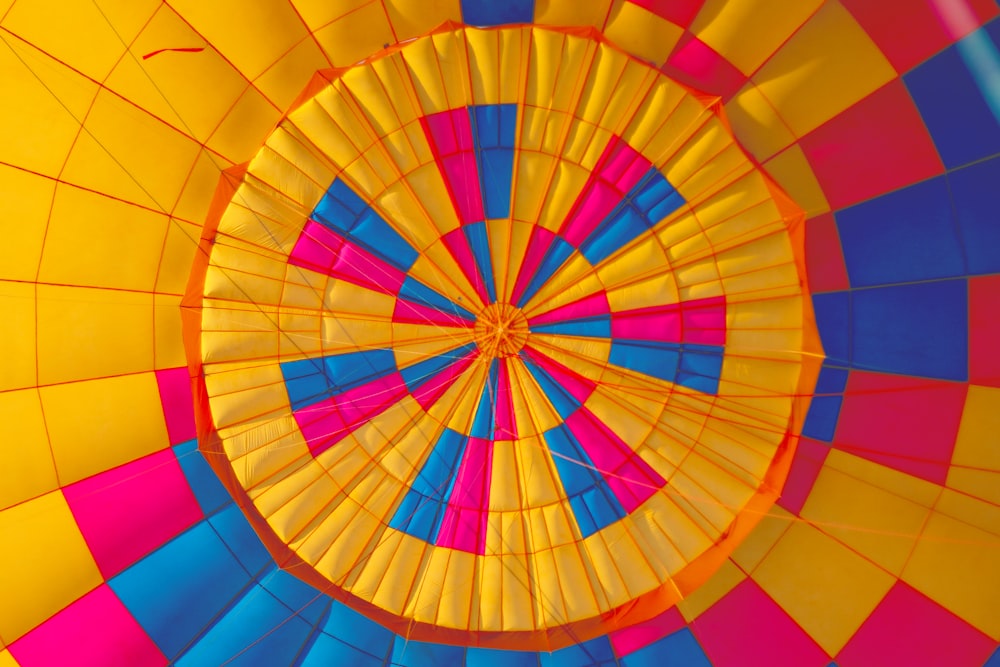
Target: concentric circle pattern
(555,341)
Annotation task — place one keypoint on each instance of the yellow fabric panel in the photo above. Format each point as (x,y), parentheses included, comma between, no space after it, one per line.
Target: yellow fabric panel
(7,660)
(177,253)
(457,405)
(44,563)
(405,557)
(752,551)
(624,283)
(249,37)
(301,332)
(426,598)
(99,424)
(384,93)
(26,468)
(550,606)
(195,198)
(532,411)
(125,153)
(618,563)
(955,564)
(341,334)
(828,589)
(17,335)
(347,300)
(451,47)
(56,25)
(299,471)
(791,169)
(574,280)
(355,35)
(239,331)
(273,449)
(667,114)
(240,130)
(756,124)
(190,91)
(483,49)
(725,579)
(642,32)
(747,32)
(25,199)
(514,581)
(606,75)
(263,387)
(410,448)
(975,463)
(827,66)
(297,522)
(380,434)
(425,193)
(558,70)
(243,274)
(462,577)
(549,526)
(304,290)
(43,102)
(506,495)
(572,12)
(168,339)
(708,513)
(274,226)
(564,187)
(284,79)
(421,68)
(675,517)
(336,547)
(413,343)
(293,169)
(410,18)
(123,242)
(86,333)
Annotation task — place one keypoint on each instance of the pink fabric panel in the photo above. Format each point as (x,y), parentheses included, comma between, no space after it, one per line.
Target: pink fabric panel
(414,313)
(704,321)
(95,631)
(631,639)
(328,422)
(459,248)
(540,241)
(429,392)
(746,628)
(619,169)
(631,479)
(907,628)
(319,249)
(129,511)
(450,136)
(578,386)
(589,306)
(809,458)
(174,385)
(661,323)
(464,524)
(462,173)
(506,428)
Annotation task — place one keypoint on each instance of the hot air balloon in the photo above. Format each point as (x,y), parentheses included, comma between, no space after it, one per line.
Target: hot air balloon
(541,333)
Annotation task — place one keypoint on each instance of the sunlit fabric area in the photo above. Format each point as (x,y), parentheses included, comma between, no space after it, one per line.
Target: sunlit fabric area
(542,333)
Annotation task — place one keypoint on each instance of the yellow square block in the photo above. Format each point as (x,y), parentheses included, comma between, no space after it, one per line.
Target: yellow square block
(123,242)
(828,589)
(955,564)
(7,660)
(975,462)
(86,333)
(794,174)
(26,468)
(641,32)
(747,32)
(756,124)
(285,78)
(243,128)
(827,66)
(725,579)
(25,199)
(355,35)
(44,563)
(17,335)
(772,527)
(572,13)
(410,18)
(101,424)
(193,204)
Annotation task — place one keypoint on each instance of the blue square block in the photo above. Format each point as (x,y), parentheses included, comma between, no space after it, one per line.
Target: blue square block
(497,12)
(974,191)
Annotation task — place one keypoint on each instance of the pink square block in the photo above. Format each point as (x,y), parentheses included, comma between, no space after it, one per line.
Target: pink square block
(695,63)
(907,628)
(178,403)
(631,639)
(909,424)
(95,631)
(984,331)
(809,458)
(678,12)
(129,511)
(824,255)
(746,628)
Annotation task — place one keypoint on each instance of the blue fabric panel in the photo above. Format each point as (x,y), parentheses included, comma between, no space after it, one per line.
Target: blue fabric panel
(365,634)
(208,490)
(833,320)
(903,236)
(649,202)
(479,243)
(328,651)
(492,12)
(918,329)
(593,327)
(488,657)
(258,630)
(416,375)
(343,211)
(485,420)
(554,257)
(659,361)
(700,367)
(594,504)
(563,402)
(297,595)
(422,509)
(176,591)
(422,654)
(416,292)
(953,107)
(239,537)
(587,654)
(493,128)
(311,380)
(974,191)
(821,420)
(679,648)
(306,382)
(994,660)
